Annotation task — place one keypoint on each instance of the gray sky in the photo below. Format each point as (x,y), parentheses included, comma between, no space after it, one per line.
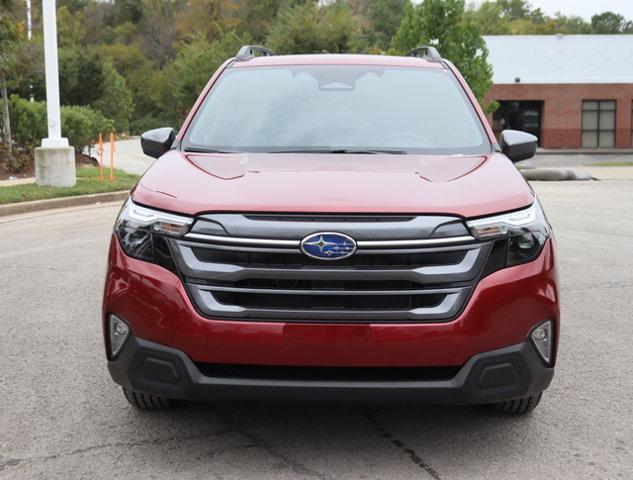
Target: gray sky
(585,8)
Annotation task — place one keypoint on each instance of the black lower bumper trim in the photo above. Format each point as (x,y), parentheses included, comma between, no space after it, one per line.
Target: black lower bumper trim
(507,373)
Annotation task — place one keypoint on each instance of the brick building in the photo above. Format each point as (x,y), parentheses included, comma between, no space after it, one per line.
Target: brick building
(571,91)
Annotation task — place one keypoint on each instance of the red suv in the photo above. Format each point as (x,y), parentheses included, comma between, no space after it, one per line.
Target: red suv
(333,228)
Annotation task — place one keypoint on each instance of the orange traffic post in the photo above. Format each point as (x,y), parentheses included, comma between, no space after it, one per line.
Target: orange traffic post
(100,152)
(112,149)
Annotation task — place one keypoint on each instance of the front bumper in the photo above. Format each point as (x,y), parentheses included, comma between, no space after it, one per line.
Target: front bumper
(504,307)
(506,373)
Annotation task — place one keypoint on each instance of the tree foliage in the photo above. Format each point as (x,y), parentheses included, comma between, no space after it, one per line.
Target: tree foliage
(307,28)
(194,65)
(441,23)
(609,22)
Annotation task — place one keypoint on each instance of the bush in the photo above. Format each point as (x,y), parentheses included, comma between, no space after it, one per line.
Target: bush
(28,121)
(81,125)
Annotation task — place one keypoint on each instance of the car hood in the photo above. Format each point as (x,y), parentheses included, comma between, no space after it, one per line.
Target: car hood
(468,186)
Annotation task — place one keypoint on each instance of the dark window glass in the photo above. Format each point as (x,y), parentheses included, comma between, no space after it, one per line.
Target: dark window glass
(324,107)
(598,123)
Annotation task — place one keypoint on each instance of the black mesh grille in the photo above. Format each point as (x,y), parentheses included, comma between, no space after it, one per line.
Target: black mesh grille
(308,373)
(295,259)
(275,300)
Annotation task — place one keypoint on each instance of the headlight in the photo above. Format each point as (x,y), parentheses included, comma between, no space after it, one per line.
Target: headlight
(525,230)
(138,227)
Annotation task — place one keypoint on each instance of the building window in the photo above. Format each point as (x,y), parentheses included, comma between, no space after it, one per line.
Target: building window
(598,123)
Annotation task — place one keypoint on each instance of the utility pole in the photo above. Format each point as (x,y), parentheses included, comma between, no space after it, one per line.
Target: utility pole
(29,20)
(29,35)
(55,159)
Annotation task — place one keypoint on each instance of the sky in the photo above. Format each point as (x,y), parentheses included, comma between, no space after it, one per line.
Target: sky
(585,8)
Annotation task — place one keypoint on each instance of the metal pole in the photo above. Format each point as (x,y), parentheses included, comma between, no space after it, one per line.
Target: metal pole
(29,26)
(49,18)
(29,35)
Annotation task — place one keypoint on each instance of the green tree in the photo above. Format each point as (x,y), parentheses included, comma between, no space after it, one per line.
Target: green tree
(409,32)
(194,65)
(385,17)
(81,77)
(11,45)
(488,18)
(310,28)
(70,31)
(514,9)
(441,23)
(609,22)
(257,16)
(116,102)
(572,25)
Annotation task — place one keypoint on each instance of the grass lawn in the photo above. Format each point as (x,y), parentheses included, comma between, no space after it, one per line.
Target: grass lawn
(610,164)
(87,182)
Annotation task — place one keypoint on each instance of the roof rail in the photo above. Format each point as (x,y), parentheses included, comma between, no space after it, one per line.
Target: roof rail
(427,52)
(248,51)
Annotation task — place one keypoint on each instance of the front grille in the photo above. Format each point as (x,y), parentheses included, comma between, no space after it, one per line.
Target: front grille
(236,276)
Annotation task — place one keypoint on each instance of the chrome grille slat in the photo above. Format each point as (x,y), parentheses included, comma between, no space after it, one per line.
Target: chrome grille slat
(449,307)
(362,244)
(465,270)
(281,291)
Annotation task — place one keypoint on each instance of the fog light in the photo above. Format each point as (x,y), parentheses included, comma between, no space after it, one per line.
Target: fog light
(119,332)
(541,337)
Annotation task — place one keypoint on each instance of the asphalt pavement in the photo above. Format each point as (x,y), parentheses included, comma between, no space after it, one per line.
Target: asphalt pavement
(62,417)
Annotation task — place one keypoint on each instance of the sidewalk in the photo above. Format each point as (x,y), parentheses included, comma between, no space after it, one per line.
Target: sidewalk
(128,156)
(609,173)
(17,181)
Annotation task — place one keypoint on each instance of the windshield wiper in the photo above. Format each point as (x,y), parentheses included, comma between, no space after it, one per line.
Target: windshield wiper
(341,150)
(208,150)
(371,151)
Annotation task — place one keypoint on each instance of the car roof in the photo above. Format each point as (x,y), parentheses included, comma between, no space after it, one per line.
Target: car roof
(337,59)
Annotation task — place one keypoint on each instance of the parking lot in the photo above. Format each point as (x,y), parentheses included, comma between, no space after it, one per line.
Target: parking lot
(62,417)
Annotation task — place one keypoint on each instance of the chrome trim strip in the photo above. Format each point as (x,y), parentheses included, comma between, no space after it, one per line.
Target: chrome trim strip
(467,269)
(360,243)
(414,243)
(273,291)
(243,241)
(447,308)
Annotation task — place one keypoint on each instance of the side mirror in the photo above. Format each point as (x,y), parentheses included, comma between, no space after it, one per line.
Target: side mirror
(156,142)
(518,145)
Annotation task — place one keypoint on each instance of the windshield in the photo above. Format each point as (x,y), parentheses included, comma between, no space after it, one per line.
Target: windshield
(337,108)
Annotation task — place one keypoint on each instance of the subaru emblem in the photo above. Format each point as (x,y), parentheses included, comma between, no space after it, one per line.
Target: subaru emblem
(328,246)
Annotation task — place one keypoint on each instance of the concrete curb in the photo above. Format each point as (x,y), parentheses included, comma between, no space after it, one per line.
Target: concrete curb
(554,174)
(61,202)
(580,151)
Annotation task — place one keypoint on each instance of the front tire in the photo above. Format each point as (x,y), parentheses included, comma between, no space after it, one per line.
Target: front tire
(146,401)
(519,406)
